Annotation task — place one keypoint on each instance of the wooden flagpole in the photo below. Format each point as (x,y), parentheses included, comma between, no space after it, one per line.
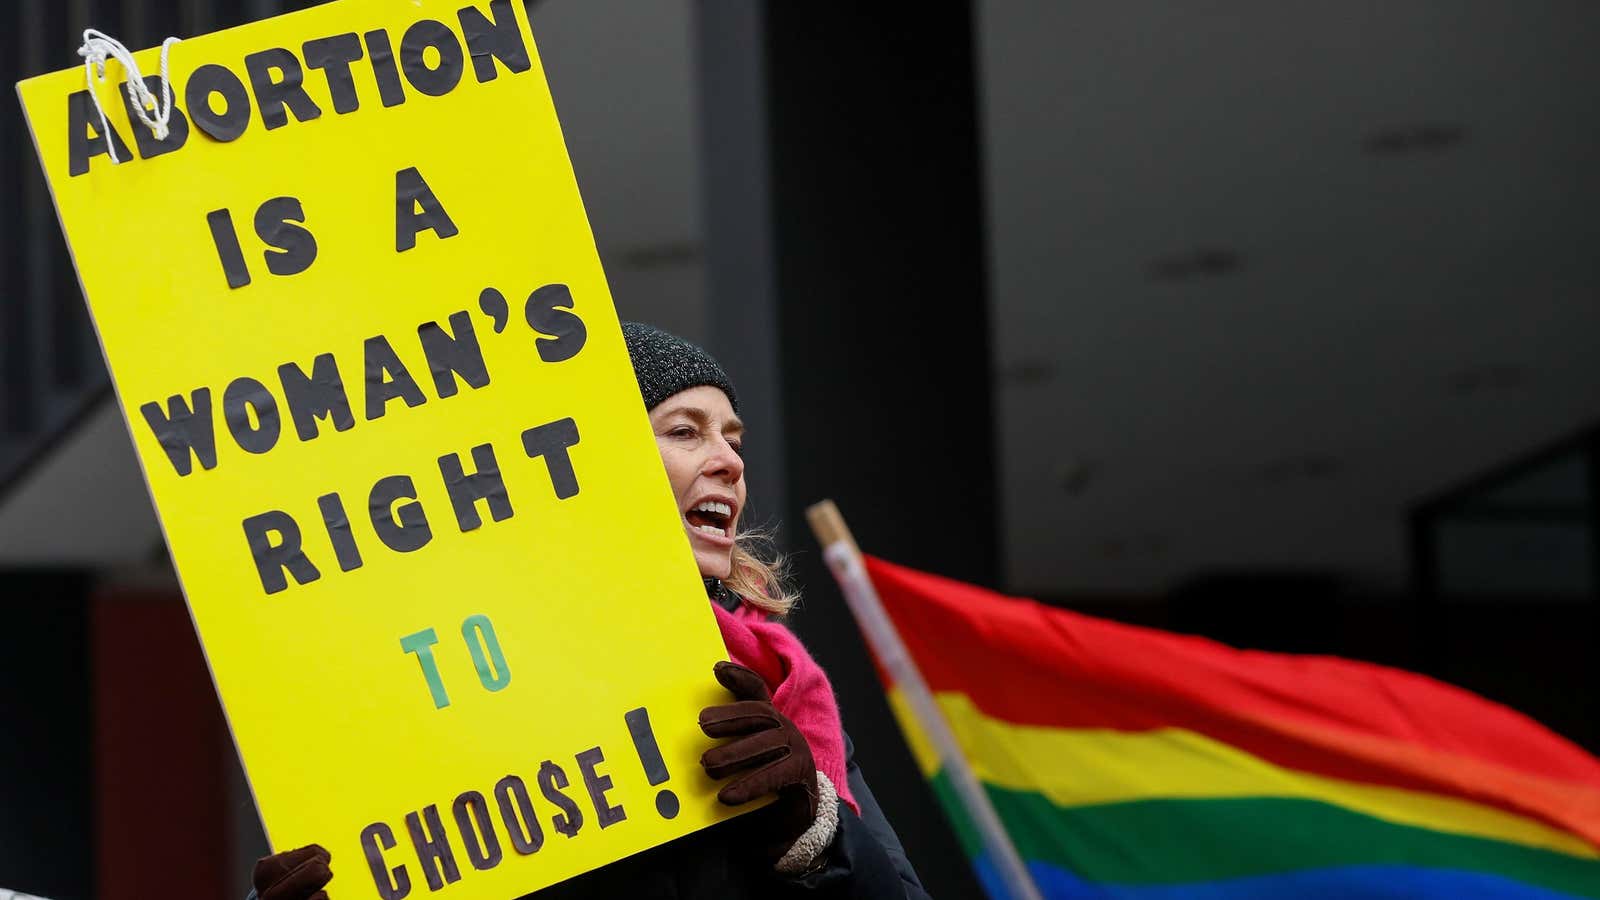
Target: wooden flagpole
(843,557)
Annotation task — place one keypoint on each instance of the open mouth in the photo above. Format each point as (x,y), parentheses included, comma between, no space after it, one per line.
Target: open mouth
(711,517)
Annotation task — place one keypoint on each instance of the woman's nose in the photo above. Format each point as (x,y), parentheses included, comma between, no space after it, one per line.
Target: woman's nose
(724,462)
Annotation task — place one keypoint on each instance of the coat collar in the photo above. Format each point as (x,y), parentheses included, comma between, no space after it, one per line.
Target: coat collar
(720,595)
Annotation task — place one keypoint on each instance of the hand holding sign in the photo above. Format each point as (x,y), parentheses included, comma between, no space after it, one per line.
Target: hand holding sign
(767,754)
(395,513)
(293,874)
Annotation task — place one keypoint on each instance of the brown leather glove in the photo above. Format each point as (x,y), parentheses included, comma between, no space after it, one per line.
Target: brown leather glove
(293,874)
(768,754)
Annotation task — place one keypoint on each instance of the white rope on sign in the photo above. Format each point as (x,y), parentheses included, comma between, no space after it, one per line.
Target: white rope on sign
(99,47)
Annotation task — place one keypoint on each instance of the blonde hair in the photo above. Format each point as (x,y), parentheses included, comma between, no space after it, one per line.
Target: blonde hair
(759,574)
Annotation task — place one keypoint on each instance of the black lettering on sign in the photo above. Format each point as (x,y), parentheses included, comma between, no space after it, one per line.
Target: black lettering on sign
(598,785)
(433,848)
(275,95)
(85,140)
(228,250)
(252,415)
(516,812)
(551,441)
(392,884)
(422,35)
(272,557)
(182,430)
(548,313)
(655,768)
(387,378)
(338,525)
(333,55)
(402,530)
(294,247)
(390,90)
(465,490)
(491,39)
(453,353)
(229,122)
(319,395)
(551,781)
(493,304)
(144,138)
(477,830)
(416,209)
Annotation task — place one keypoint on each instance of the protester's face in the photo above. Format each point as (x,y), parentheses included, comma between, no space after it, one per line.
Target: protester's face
(700,439)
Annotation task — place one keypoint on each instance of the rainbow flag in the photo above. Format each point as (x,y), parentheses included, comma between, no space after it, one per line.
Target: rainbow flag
(1133,763)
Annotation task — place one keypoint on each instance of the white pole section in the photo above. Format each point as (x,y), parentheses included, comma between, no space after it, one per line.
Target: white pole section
(844,560)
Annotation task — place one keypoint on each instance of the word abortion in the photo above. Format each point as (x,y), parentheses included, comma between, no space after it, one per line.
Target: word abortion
(431,59)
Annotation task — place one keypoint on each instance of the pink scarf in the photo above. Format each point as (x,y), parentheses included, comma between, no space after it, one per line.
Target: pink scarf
(800,689)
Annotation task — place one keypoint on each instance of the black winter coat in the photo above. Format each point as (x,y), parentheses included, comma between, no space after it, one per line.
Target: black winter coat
(726,861)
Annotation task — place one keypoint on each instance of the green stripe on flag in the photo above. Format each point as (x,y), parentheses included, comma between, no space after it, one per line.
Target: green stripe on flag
(1178,841)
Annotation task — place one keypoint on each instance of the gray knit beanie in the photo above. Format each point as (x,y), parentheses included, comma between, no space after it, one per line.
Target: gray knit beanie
(665,364)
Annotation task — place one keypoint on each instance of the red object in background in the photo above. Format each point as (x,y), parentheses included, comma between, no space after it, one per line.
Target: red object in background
(160,752)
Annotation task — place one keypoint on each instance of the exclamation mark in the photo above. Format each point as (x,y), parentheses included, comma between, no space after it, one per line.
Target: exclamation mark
(655,768)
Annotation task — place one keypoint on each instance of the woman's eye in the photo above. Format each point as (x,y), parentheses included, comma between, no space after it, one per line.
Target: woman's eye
(682,431)
(738,447)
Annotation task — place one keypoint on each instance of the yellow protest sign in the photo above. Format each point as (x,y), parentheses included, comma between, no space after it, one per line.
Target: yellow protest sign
(360,332)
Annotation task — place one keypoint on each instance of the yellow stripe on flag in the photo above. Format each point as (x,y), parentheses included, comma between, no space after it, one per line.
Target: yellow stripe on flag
(1075,767)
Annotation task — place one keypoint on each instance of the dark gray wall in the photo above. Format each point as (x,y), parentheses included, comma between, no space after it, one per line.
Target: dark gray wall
(847,290)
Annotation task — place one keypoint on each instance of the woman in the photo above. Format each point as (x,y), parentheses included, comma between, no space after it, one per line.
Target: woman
(824,836)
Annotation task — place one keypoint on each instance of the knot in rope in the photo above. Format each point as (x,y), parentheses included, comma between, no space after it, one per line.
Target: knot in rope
(155,114)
